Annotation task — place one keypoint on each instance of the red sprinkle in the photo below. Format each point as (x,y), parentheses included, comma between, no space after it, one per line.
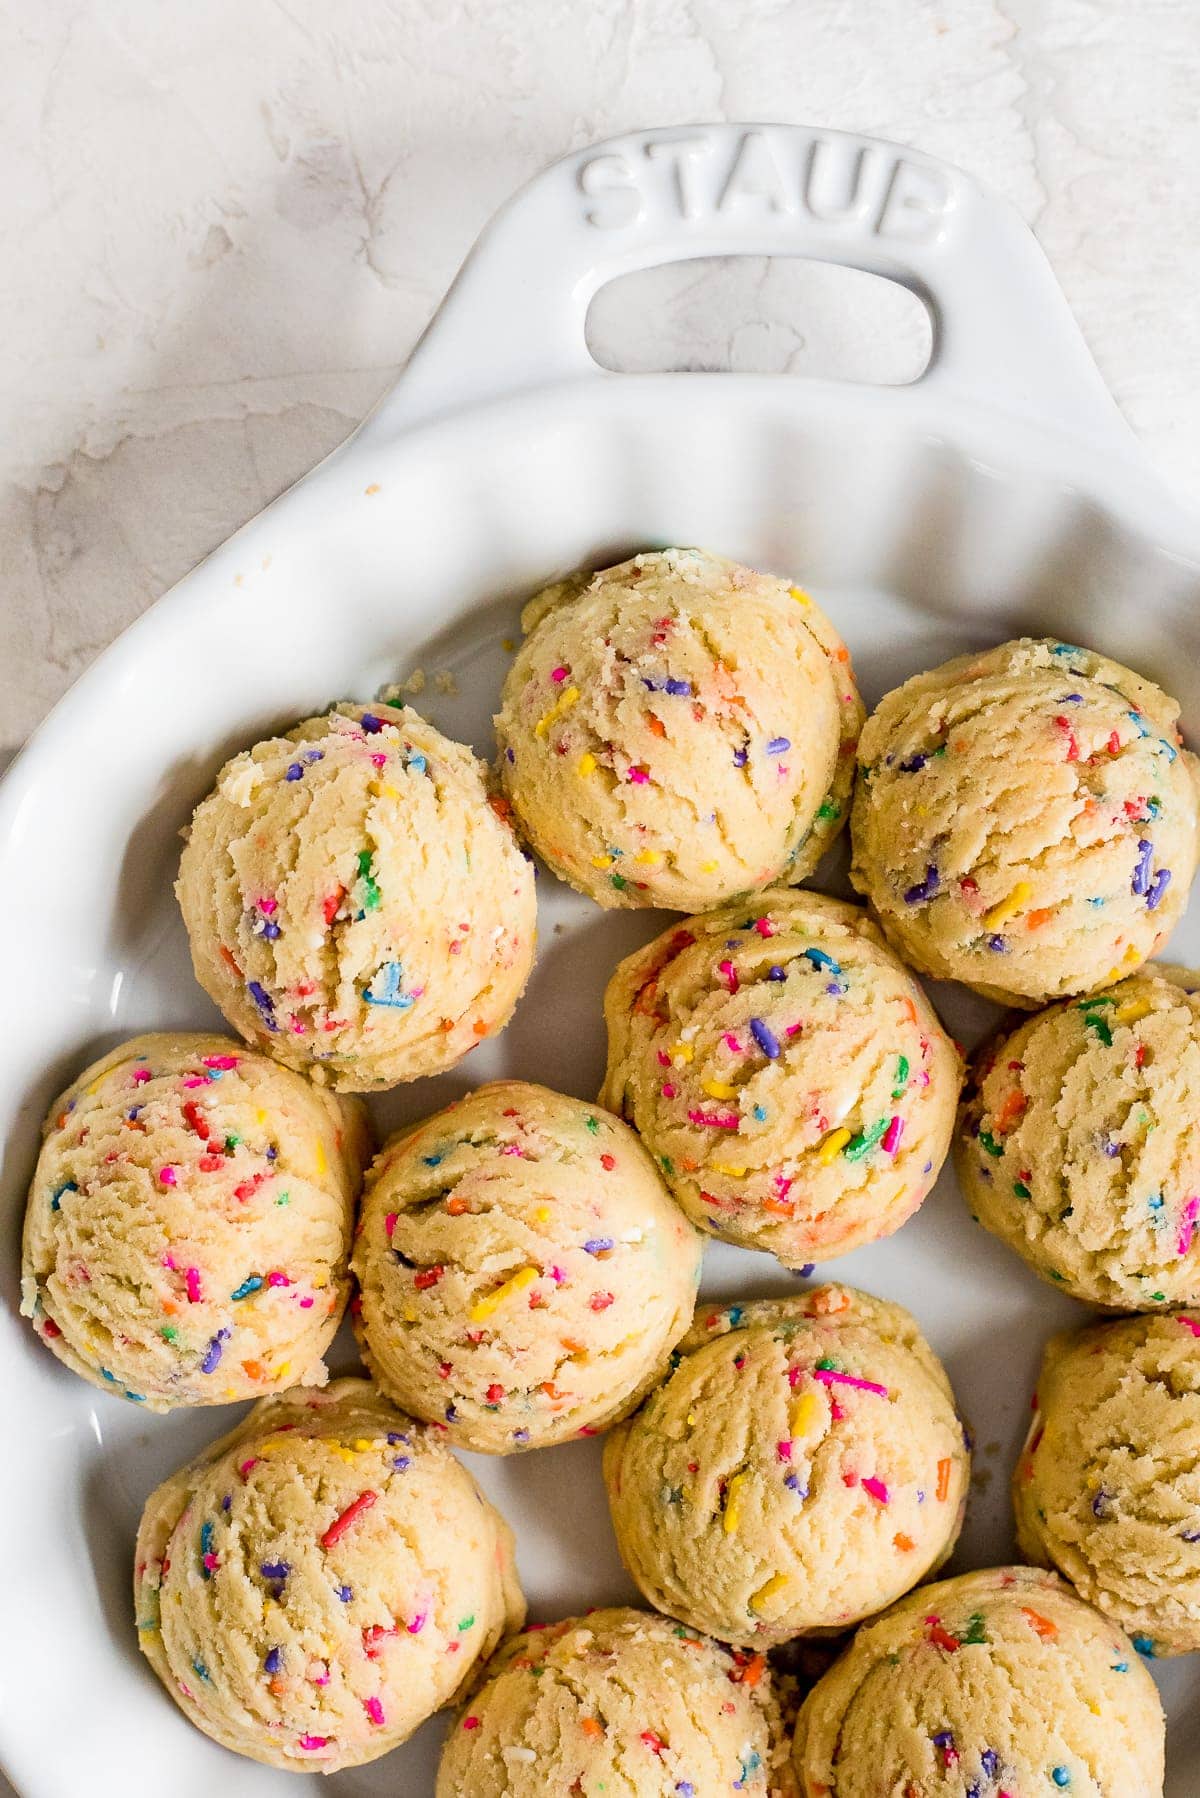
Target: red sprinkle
(600,1301)
(349,1516)
(940,1637)
(608,1163)
(428,1276)
(196,1121)
(653,1742)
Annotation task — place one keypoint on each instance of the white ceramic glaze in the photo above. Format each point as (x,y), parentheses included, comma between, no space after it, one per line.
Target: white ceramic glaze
(1001,493)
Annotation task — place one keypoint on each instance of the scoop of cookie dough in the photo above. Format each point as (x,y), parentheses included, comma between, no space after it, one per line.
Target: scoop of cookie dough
(524,1273)
(678,729)
(1107,1490)
(321,1580)
(621,1703)
(801,1467)
(354,903)
(995,1683)
(1025,820)
(1077,1142)
(188,1227)
(787,1072)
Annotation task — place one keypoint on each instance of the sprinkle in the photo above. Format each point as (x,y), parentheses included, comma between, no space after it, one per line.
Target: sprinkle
(312,1743)
(639,774)
(715,1120)
(371,724)
(862,1145)
(833,1145)
(215,1350)
(767,1591)
(586,765)
(779,745)
(1042,1626)
(944,1468)
(914,764)
(1162,881)
(208,1560)
(830,1376)
(483,1308)
(273,1660)
(819,959)
(730,973)
(250,1284)
(989,1144)
(776,972)
(924,889)
(348,1517)
(386,987)
(719,1089)
(374,1709)
(1061,1776)
(1007,908)
(1140,879)
(892,1135)
(733,1508)
(345,1593)
(877,1490)
(599,1245)
(1144,1645)
(167,1176)
(275,1570)
(428,1276)
(765,1037)
(940,1637)
(264,1002)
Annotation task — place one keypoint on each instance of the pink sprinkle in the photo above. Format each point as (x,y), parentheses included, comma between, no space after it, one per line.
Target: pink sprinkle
(892,1135)
(169,1261)
(195,1292)
(380,760)
(713,1120)
(828,1376)
(837,1415)
(374,1709)
(795,1374)
(669,1091)
(166,1176)
(557,1275)
(313,1742)
(639,776)
(764,927)
(512,1148)
(222,1062)
(558,674)
(793,1029)
(277,1279)
(731,1043)
(211,1563)
(267,906)
(1189,1323)
(306,1304)
(470,1722)
(783,1184)
(418,1623)
(141,1075)
(1187,1226)
(245,1466)
(731,975)
(586,1429)
(877,1489)
(196,1080)
(783,1450)
(389,1223)
(664,1060)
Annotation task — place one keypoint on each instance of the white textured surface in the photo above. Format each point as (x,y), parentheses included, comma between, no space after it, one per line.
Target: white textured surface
(222,228)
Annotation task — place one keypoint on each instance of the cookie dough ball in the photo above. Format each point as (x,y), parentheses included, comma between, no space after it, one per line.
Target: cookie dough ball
(1077,1143)
(321,1581)
(621,1703)
(1108,1488)
(1001,1682)
(801,1467)
(524,1273)
(188,1227)
(789,1075)
(677,730)
(1025,820)
(354,903)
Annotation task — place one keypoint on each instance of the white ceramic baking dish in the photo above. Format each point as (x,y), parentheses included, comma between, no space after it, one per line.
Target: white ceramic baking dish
(1001,493)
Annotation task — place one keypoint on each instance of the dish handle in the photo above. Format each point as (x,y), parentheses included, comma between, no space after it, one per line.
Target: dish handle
(515,316)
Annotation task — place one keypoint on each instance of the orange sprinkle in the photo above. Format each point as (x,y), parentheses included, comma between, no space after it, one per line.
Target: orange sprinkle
(227,958)
(943,1485)
(479,1027)
(253,1370)
(1035,919)
(500,805)
(1013,1108)
(1041,1625)
(591,1727)
(780,1207)
(904,1543)
(825,1304)
(456,1206)
(656,726)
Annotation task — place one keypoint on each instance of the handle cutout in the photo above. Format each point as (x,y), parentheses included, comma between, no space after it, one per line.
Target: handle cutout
(761,315)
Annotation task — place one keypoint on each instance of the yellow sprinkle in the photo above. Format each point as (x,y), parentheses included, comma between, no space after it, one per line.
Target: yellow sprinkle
(708,867)
(507,645)
(319,1154)
(717,1089)
(542,1214)
(383,789)
(363,1444)
(484,1307)
(1021,894)
(724,1167)
(342,1452)
(410,1315)
(587,765)
(1131,954)
(733,1505)
(800,596)
(373,488)
(283,1370)
(802,1414)
(770,1589)
(562,704)
(682,1052)
(603,861)
(648,856)
(260,1117)
(691,1419)
(1132,1011)
(833,1145)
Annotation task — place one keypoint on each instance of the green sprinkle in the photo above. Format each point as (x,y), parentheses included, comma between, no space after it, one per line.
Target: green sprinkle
(370,888)
(467,1623)
(827,1364)
(593,1125)
(975,1632)
(858,1146)
(619,881)
(1021,1190)
(1055,1276)
(284,1198)
(1102,1029)
(988,1141)
(901,1076)
(668,1165)
(231,1143)
(829,810)
(169,1333)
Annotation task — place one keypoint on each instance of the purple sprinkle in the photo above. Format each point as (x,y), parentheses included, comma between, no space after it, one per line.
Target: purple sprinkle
(313,755)
(914,764)
(1101,1503)
(270,931)
(274,1660)
(989,1760)
(1162,881)
(1071,699)
(1112,1149)
(924,889)
(835,988)
(295,772)
(766,1039)
(998,944)
(598,1245)
(227,1502)
(403,1462)
(943,1739)
(792,1482)
(274,1569)
(509,757)
(776,973)
(685,1788)
(520,1435)
(1140,879)
(215,1350)
(1190,1535)
(778,745)
(394,1436)
(740,758)
(679,689)
(807,1269)
(265,1003)
(451,1417)
(345,1593)
(371,724)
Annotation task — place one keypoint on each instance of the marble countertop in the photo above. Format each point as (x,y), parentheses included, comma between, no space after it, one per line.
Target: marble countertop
(223,228)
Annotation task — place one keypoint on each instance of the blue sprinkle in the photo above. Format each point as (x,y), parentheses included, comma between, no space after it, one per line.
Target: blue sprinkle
(417,762)
(1059,649)
(766,1039)
(275,1570)
(1144,1645)
(250,1284)
(1142,728)
(295,772)
(265,1003)
(1097,902)
(201,1671)
(370,723)
(806,1269)
(678,689)
(685,1788)
(735,1315)
(943,1739)
(924,889)
(345,1593)
(1120,1666)
(312,755)
(386,988)
(432,1160)
(1162,881)
(914,764)
(273,1660)
(206,1546)
(1061,1776)
(598,1245)
(819,959)
(1171,751)
(270,930)
(989,1760)
(215,1350)
(451,1416)
(776,972)
(1071,699)
(778,745)
(760,1113)
(792,1482)
(135,1398)
(740,758)
(67,1186)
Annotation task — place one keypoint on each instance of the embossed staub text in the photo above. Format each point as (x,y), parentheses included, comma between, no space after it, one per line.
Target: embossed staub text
(701,177)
